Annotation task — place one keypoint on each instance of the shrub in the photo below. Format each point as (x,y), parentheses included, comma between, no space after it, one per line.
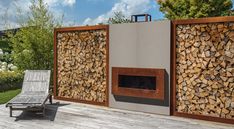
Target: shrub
(33,43)
(10,80)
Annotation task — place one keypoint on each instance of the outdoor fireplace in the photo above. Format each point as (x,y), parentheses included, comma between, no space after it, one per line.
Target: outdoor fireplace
(138,82)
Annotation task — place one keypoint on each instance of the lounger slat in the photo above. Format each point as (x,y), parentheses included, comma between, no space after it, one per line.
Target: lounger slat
(26,99)
(33,75)
(32,86)
(19,99)
(37,99)
(35,80)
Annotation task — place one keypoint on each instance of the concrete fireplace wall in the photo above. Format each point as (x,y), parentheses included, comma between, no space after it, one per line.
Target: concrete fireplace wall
(141,45)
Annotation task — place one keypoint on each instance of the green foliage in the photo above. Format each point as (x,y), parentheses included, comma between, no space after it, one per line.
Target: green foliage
(118,18)
(33,43)
(184,9)
(5,58)
(8,95)
(10,80)
(5,51)
(5,44)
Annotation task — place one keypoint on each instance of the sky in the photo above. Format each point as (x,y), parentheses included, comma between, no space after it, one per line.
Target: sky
(80,12)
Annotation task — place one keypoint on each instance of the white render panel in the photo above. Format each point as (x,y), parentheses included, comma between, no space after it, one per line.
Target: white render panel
(141,45)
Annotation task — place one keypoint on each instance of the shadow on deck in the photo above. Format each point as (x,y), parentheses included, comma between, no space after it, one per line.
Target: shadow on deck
(50,113)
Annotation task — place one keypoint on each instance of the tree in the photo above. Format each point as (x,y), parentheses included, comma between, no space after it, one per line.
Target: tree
(184,9)
(118,18)
(33,43)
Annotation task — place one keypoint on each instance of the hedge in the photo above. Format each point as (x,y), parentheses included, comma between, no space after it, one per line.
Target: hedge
(10,80)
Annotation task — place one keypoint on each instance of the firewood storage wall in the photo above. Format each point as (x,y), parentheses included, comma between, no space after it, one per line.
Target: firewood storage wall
(203,69)
(81,64)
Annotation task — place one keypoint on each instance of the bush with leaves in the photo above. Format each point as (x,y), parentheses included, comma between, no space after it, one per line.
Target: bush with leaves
(10,80)
(118,18)
(33,43)
(5,44)
(6,63)
(5,50)
(184,9)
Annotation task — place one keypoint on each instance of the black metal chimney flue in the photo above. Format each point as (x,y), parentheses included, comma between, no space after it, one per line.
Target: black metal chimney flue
(134,18)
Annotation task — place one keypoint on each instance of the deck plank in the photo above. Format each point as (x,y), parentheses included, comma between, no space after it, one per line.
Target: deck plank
(68,115)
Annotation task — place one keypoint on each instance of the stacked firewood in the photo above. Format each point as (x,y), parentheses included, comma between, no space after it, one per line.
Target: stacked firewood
(81,65)
(205,69)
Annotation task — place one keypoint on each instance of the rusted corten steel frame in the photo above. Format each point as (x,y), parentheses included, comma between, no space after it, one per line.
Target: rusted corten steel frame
(82,28)
(174,24)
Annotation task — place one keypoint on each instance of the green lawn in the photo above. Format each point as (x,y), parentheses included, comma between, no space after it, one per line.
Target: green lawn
(8,95)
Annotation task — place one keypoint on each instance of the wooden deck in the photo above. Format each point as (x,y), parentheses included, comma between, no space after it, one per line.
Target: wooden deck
(66,115)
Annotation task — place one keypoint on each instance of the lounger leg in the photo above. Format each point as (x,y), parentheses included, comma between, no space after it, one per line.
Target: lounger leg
(10,111)
(50,99)
(43,111)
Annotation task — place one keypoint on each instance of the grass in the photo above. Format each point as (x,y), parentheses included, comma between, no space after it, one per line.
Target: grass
(8,95)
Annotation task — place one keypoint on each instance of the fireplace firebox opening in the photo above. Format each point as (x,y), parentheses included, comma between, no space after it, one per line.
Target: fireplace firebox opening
(138,82)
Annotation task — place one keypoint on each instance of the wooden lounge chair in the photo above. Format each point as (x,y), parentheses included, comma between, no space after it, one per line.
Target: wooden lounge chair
(35,92)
